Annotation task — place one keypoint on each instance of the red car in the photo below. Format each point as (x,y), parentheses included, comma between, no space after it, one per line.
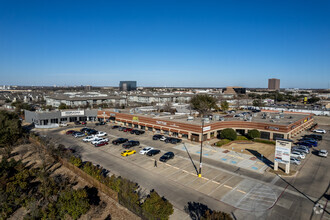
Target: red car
(84,123)
(69,132)
(101,144)
(127,129)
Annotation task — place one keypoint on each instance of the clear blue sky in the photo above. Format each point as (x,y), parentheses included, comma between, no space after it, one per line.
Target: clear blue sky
(165,42)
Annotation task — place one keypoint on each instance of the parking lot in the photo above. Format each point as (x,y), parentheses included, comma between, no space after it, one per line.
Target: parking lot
(219,184)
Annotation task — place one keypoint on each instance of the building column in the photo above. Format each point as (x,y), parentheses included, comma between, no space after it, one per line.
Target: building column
(271,135)
(189,136)
(208,135)
(200,137)
(179,135)
(170,133)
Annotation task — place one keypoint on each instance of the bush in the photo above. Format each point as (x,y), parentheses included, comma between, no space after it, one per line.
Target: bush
(228,133)
(156,207)
(222,142)
(264,141)
(253,134)
(76,161)
(241,138)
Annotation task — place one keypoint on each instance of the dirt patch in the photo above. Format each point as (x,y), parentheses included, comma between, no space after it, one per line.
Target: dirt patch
(322,120)
(251,148)
(281,172)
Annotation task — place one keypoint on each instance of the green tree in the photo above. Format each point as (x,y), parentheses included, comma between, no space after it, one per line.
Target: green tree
(62,106)
(216,215)
(76,161)
(228,133)
(156,207)
(203,103)
(224,106)
(10,128)
(73,202)
(257,103)
(254,134)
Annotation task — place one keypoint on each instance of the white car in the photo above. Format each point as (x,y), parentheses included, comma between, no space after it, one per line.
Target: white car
(101,134)
(295,161)
(89,138)
(63,124)
(98,140)
(298,155)
(162,138)
(323,153)
(145,150)
(321,131)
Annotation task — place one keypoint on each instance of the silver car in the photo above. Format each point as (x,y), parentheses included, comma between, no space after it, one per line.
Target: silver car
(294,161)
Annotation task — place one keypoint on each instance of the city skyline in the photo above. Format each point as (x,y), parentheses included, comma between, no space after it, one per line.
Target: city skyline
(213,44)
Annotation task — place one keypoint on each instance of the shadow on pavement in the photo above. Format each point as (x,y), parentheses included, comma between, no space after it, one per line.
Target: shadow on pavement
(198,211)
(265,160)
(190,158)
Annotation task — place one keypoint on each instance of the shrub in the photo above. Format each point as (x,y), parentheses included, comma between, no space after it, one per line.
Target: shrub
(222,142)
(76,161)
(156,207)
(253,134)
(228,133)
(264,141)
(241,138)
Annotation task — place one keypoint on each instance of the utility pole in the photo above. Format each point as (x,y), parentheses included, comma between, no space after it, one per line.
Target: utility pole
(201,153)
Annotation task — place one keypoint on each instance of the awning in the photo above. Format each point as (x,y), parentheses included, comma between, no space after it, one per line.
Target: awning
(156,127)
(183,132)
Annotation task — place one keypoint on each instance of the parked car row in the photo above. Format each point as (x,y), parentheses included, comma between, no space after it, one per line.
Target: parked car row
(93,136)
(128,130)
(171,140)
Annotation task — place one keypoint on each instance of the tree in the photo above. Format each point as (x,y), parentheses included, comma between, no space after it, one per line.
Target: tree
(156,207)
(62,106)
(224,105)
(256,103)
(228,133)
(76,161)
(203,103)
(10,128)
(215,215)
(254,133)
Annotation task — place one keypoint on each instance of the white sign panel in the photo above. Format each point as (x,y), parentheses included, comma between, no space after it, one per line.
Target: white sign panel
(72,113)
(207,128)
(282,151)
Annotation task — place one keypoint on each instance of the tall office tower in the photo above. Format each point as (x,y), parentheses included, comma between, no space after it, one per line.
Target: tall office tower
(274,84)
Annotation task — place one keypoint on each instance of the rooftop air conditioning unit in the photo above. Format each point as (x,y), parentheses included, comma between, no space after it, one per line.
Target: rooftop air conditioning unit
(190,118)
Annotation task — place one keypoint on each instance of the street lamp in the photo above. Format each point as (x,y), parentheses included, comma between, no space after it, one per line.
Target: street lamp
(201,152)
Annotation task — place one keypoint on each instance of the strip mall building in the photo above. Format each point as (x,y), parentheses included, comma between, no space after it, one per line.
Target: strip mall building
(193,131)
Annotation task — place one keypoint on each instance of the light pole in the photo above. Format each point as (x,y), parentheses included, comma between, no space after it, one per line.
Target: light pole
(201,153)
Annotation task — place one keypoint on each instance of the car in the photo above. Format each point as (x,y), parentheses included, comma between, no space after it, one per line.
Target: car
(127,129)
(303,143)
(101,134)
(98,140)
(84,129)
(163,138)
(320,131)
(126,153)
(69,132)
(62,124)
(157,136)
(298,155)
(130,144)
(314,136)
(100,123)
(77,123)
(121,128)
(78,134)
(307,139)
(172,140)
(167,156)
(119,141)
(137,132)
(115,127)
(145,150)
(84,123)
(301,149)
(295,161)
(102,143)
(314,143)
(152,152)
(323,153)
(91,131)
(89,138)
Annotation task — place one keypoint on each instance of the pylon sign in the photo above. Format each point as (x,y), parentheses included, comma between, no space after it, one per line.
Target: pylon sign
(282,154)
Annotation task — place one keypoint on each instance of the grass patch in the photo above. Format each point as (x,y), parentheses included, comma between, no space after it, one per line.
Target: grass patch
(264,141)
(222,142)
(242,138)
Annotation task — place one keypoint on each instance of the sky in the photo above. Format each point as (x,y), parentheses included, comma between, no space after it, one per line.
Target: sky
(181,43)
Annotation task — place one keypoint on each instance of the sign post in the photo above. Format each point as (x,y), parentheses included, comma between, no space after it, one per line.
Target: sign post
(282,154)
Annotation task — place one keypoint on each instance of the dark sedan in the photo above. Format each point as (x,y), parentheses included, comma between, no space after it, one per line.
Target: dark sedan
(172,140)
(137,132)
(152,152)
(167,156)
(100,123)
(130,144)
(157,137)
(119,141)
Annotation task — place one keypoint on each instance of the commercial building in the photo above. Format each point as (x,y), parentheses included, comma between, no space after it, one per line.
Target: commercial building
(127,85)
(272,125)
(274,84)
(45,118)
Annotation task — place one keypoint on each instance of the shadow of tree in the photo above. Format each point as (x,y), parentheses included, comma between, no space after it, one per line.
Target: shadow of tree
(196,210)
(92,193)
(262,158)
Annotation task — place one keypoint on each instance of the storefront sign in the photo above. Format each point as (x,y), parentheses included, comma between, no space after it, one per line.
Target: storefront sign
(282,151)
(135,118)
(272,128)
(72,113)
(207,128)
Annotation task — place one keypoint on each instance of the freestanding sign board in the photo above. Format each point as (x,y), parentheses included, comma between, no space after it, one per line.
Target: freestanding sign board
(282,154)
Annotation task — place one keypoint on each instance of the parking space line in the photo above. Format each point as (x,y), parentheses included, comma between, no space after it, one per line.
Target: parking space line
(228,186)
(215,182)
(238,190)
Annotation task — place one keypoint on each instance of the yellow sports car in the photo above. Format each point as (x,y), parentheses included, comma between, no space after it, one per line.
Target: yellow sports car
(125,153)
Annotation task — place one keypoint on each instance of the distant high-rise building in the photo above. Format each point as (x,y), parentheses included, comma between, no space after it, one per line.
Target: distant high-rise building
(274,84)
(127,85)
